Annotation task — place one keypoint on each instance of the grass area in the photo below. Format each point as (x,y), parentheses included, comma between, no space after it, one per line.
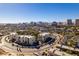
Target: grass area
(69,51)
(0,39)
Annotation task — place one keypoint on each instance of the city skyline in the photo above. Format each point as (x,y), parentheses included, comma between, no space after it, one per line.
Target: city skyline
(45,12)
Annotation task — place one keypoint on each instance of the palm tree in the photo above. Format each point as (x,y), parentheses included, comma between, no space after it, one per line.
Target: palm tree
(71,42)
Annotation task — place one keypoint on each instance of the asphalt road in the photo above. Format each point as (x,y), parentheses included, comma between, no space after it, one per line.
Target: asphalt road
(12,49)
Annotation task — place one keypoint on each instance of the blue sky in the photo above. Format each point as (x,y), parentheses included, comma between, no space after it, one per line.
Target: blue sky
(46,12)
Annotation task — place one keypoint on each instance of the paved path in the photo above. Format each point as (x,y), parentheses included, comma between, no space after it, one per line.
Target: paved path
(56,51)
(67,47)
(9,48)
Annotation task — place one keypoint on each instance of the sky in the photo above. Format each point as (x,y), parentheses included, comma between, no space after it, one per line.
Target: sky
(45,12)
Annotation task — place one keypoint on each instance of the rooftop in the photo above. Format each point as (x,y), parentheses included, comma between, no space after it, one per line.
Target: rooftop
(44,33)
(13,33)
(28,36)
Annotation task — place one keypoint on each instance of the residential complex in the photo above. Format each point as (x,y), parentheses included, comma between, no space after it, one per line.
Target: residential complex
(40,38)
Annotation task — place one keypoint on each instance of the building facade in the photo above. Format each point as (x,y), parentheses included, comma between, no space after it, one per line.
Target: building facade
(22,38)
(69,22)
(77,22)
(30,40)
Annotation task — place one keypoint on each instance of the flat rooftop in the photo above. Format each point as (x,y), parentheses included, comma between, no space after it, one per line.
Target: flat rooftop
(28,36)
(44,33)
